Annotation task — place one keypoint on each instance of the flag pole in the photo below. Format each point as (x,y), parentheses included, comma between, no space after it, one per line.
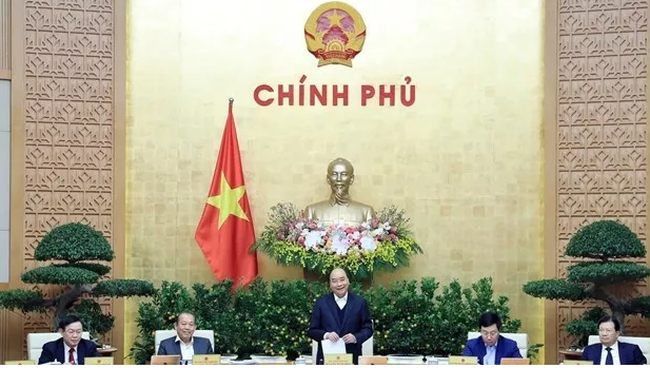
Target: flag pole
(230,101)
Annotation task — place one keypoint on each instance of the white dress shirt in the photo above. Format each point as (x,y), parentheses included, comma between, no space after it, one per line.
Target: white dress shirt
(187,350)
(490,355)
(66,356)
(615,356)
(341,302)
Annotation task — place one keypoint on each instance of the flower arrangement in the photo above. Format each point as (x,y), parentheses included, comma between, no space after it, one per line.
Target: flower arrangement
(381,244)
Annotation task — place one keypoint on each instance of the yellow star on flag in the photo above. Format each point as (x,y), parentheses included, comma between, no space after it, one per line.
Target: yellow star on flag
(228,201)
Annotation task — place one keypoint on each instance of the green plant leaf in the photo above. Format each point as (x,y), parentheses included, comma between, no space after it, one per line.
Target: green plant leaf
(555,289)
(607,272)
(605,239)
(124,288)
(74,242)
(55,275)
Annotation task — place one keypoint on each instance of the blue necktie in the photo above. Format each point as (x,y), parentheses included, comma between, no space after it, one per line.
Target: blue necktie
(610,358)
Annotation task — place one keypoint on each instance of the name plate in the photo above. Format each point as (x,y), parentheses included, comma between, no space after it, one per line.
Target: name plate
(206,359)
(338,359)
(578,362)
(463,360)
(20,362)
(99,361)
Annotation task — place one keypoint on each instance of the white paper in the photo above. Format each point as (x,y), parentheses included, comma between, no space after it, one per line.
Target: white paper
(337,347)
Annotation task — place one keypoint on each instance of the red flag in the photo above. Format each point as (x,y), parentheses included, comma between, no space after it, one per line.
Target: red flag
(225,232)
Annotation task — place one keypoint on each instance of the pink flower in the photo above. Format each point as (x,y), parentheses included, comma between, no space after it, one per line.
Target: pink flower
(374,223)
(291,239)
(281,236)
(393,229)
(393,237)
(301,240)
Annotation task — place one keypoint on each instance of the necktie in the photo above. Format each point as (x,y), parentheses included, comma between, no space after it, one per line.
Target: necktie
(71,357)
(610,358)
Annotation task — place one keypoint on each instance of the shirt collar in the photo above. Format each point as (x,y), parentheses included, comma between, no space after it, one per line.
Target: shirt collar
(178,340)
(488,347)
(614,346)
(343,299)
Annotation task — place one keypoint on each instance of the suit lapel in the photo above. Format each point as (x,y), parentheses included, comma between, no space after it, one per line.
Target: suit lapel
(481,350)
(81,352)
(334,309)
(60,351)
(346,312)
(499,352)
(599,352)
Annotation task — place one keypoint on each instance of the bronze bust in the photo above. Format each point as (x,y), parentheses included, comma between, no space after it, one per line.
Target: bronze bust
(340,208)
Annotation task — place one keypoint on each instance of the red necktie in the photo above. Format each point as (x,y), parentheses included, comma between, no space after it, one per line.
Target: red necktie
(71,358)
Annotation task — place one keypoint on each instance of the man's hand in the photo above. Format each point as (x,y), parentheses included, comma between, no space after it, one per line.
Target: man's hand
(332,336)
(350,339)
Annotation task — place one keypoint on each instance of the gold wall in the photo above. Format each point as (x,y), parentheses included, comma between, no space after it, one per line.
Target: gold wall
(465,161)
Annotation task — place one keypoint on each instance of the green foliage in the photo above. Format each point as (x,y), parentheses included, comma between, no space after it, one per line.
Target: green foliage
(273,317)
(97,268)
(93,319)
(74,242)
(123,288)
(585,326)
(639,305)
(54,275)
(608,272)
(605,239)
(23,300)
(555,289)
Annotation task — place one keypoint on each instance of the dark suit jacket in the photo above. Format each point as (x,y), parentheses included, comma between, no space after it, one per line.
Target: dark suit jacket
(171,347)
(54,350)
(356,321)
(506,348)
(628,353)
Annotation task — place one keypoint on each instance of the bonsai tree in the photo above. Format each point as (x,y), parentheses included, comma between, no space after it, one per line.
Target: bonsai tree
(605,243)
(79,275)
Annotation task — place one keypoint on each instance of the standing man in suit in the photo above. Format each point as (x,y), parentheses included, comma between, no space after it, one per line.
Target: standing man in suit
(340,315)
(70,348)
(490,347)
(185,343)
(610,351)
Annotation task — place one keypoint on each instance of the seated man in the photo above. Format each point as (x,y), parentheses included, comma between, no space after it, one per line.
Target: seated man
(610,350)
(70,348)
(184,343)
(490,347)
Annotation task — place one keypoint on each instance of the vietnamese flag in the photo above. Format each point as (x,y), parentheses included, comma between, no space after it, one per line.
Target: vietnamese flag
(225,232)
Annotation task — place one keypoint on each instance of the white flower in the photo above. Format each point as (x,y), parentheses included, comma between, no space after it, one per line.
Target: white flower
(368,243)
(304,232)
(313,239)
(340,243)
(377,232)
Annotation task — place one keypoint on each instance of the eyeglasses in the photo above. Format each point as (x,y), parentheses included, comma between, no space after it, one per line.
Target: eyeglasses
(604,331)
(490,334)
(74,332)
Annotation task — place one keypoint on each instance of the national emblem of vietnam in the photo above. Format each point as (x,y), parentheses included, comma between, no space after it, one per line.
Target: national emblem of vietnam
(335,33)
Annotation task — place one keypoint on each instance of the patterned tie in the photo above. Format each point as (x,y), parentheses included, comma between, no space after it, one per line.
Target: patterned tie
(71,357)
(610,358)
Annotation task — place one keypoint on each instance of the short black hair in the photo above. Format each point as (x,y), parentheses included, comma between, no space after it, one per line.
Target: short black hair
(68,320)
(488,319)
(184,312)
(617,324)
